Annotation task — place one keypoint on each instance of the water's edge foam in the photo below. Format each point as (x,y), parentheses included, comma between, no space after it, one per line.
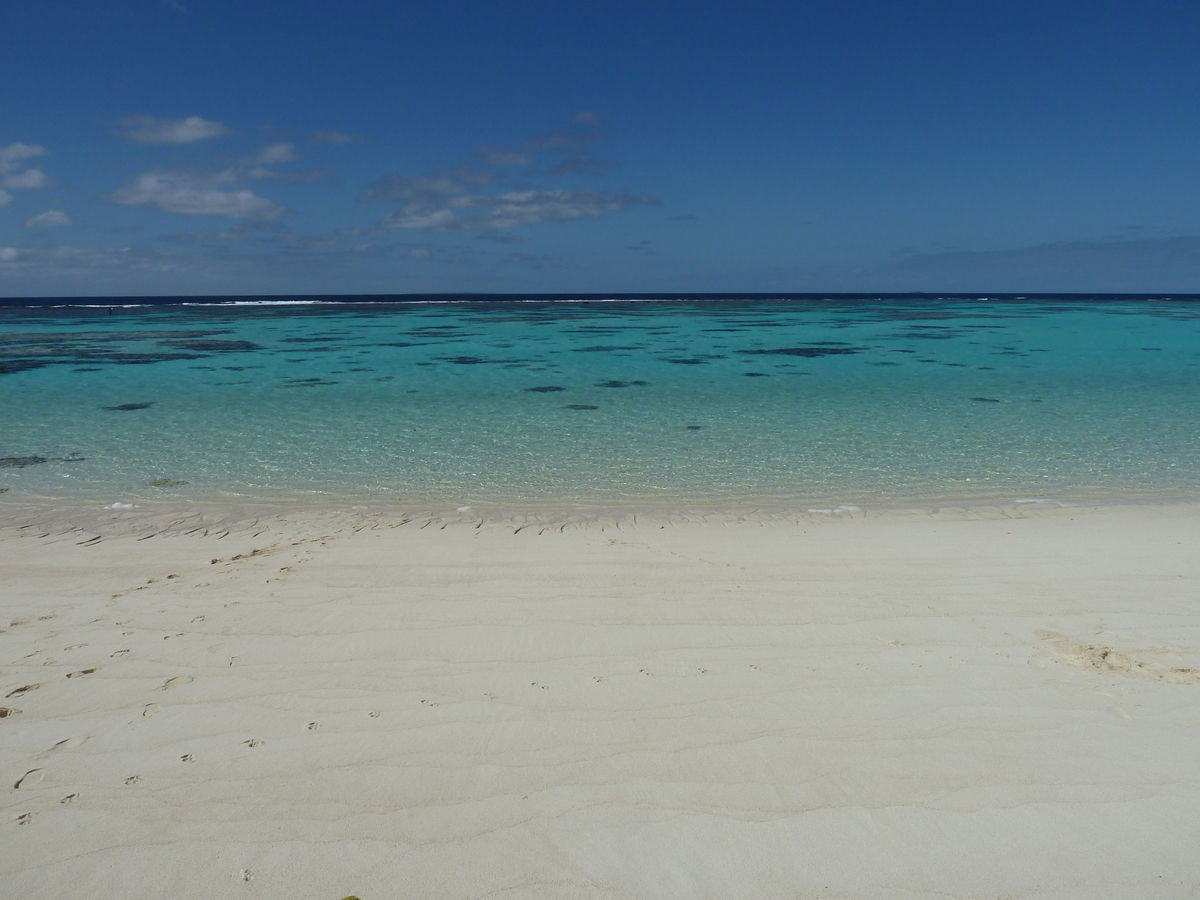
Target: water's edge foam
(89,523)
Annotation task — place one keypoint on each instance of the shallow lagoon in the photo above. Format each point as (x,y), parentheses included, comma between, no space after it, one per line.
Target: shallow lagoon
(657,402)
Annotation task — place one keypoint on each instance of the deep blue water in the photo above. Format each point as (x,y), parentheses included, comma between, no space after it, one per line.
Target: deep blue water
(589,399)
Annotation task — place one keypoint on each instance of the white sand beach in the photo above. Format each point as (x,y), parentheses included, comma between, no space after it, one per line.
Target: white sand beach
(306,704)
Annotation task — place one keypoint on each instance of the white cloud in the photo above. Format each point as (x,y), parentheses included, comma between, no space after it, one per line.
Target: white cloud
(261,173)
(5,198)
(152,130)
(340,138)
(579,166)
(452,199)
(443,202)
(271,154)
(11,173)
(192,194)
(561,142)
(498,156)
(432,188)
(59,259)
(30,178)
(11,156)
(48,219)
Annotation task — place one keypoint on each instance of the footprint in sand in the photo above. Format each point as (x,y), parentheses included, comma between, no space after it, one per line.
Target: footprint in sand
(246,875)
(119,653)
(74,647)
(176,682)
(374,714)
(70,798)
(187,757)
(151,709)
(313,726)
(25,818)
(6,711)
(133,779)
(29,779)
(67,744)
(81,672)
(252,743)
(22,690)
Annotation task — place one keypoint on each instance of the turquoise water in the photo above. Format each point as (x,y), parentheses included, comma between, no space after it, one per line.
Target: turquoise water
(656,402)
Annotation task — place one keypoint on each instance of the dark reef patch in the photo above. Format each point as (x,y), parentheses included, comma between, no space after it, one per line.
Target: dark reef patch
(985,400)
(545,389)
(9,366)
(760,374)
(20,462)
(484,361)
(138,359)
(308,382)
(580,406)
(214,346)
(128,407)
(813,350)
(604,348)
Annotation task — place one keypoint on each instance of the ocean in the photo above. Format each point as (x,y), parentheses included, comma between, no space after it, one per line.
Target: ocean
(650,401)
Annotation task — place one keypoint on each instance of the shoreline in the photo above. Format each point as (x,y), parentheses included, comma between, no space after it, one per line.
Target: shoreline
(43,516)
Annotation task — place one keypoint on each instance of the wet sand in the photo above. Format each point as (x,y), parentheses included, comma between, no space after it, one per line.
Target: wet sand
(867,703)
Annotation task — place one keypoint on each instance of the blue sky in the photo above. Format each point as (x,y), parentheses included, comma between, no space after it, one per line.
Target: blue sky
(212,147)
